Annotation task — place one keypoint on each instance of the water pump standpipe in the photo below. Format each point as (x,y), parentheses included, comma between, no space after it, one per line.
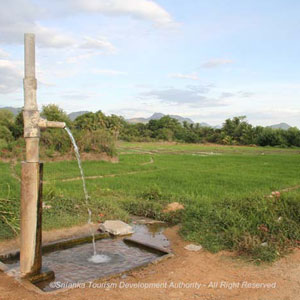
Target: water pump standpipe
(31,186)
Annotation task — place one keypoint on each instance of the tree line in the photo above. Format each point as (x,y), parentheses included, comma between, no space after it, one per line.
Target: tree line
(97,132)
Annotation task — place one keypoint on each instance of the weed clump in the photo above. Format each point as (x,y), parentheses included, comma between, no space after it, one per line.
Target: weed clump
(151,203)
(261,228)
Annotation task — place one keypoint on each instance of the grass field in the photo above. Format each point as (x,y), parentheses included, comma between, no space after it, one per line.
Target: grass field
(148,176)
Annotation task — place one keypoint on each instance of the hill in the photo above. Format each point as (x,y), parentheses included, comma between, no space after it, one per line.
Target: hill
(284,126)
(157,116)
(74,115)
(14,110)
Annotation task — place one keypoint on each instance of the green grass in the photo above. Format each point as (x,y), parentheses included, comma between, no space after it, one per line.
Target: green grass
(209,186)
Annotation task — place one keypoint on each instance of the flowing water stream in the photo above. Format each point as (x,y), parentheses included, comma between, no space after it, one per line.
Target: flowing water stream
(96,258)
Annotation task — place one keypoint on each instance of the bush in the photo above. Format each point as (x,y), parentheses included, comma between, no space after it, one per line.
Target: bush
(151,204)
(3,144)
(96,141)
(53,139)
(5,134)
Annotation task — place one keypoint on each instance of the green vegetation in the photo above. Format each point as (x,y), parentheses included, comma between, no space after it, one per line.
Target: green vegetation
(95,135)
(98,133)
(261,227)
(224,190)
(236,131)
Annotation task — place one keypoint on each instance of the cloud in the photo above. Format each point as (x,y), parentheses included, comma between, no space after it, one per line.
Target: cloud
(213,63)
(140,9)
(100,43)
(240,94)
(10,76)
(19,16)
(192,95)
(192,76)
(45,37)
(131,111)
(108,72)
(3,54)
(244,94)
(227,95)
(76,58)
(51,38)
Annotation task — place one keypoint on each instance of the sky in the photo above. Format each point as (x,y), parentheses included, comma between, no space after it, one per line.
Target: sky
(206,60)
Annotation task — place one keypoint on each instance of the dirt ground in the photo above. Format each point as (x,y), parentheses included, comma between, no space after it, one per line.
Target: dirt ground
(222,277)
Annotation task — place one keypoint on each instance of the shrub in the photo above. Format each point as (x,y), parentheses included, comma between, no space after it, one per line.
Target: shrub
(5,134)
(96,141)
(3,144)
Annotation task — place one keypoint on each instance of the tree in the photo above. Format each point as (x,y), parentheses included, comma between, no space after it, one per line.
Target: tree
(270,137)
(18,126)
(52,112)
(238,130)
(5,134)
(91,121)
(6,118)
(55,139)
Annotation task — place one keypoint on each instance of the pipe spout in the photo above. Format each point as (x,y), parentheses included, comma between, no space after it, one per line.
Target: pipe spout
(43,123)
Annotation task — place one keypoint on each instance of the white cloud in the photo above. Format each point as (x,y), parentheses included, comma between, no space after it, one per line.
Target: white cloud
(45,36)
(227,95)
(100,43)
(141,9)
(216,63)
(108,72)
(51,38)
(80,57)
(19,16)
(10,76)
(3,54)
(193,96)
(192,76)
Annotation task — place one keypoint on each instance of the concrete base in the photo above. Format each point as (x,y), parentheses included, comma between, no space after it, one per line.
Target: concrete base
(45,274)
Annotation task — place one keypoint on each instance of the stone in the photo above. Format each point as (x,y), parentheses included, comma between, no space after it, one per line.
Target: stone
(193,247)
(174,206)
(116,227)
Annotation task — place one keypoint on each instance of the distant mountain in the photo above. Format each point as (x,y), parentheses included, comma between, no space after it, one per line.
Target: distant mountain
(14,110)
(284,126)
(157,116)
(203,124)
(137,120)
(217,127)
(74,115)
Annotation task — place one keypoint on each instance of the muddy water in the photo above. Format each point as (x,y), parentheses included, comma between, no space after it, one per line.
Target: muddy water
(73,265)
